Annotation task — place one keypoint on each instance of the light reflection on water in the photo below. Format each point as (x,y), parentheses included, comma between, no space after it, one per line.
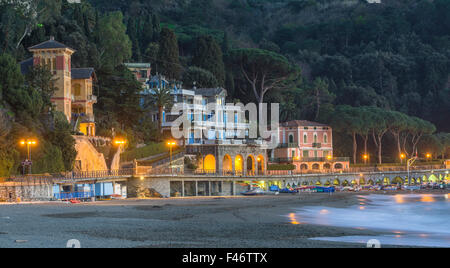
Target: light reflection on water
(420,220)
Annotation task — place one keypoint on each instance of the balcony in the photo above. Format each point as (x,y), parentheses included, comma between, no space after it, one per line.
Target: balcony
(288,145)
(92,98)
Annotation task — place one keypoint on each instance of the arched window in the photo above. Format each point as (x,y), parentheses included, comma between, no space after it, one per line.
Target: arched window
(305,138)
(338,166)
(291,138)
(315,138)
(325,138)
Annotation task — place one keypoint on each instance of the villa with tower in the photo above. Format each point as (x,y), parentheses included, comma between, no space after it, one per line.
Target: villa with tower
(74,95)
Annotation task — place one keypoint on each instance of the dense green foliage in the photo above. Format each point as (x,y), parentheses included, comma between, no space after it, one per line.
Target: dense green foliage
(317,58)
(146,151)
(25,112)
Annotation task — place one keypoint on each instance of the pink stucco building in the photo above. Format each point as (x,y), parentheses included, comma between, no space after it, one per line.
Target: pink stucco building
(308,145)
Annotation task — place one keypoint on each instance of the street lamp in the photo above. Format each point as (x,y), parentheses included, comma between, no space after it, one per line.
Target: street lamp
(402,156)
(428,155)
(29,143)
(120,143)
(171,144)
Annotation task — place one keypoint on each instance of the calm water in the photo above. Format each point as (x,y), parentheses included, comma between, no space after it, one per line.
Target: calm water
(411,220)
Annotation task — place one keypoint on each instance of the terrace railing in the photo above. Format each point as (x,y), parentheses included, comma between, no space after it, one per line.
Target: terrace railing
(308,159)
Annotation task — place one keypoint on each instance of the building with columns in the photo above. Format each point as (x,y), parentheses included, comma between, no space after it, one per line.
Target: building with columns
(74,95)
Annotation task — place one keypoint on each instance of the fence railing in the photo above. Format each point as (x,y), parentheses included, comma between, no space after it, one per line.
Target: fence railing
(74,175)
(308,159)
(176,171)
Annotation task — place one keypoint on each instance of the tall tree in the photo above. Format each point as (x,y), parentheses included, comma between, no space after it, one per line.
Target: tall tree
(263,70)
(418,129)
(346,120)
(161,98)
(10,76)
(201,77)
(398,125)
(168,62)
(379,128)
(114,44)
(208,55)
(317,95)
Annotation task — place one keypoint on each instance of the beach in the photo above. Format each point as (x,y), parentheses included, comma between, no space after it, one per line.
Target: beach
(216,222)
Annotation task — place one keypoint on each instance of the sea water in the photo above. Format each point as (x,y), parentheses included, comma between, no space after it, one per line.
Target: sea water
(409,220)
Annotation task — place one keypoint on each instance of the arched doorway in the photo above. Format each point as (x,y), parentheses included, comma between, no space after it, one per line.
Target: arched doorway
(327,183)
(227,164)
(386,181)
(251,165)
(304,167)
(315,166)
(326,166)
(370,182)
(239,164)
(318,183)
(354,182)
(209,164)
(397,180)
(433,178)
(338,166)
(336,182)
(345,183)
(362,181)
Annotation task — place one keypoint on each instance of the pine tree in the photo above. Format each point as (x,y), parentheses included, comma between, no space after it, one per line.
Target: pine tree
(168,62)
(208,55)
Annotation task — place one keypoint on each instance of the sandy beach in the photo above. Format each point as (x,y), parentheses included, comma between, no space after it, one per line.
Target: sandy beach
(260,221)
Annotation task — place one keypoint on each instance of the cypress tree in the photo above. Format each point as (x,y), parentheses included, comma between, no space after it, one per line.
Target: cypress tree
(147,32)
(225,44)
(208,55)
(168,62)
(156,27)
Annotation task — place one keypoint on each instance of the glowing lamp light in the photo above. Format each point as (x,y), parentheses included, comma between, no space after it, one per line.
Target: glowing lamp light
(329,157)
(402,156)
(120,142)
(28,142)
(428,155)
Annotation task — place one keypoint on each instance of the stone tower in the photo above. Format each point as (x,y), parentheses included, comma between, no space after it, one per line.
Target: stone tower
(57,56)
